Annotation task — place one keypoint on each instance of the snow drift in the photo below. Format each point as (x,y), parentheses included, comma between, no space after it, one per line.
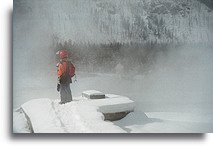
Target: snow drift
(79,116)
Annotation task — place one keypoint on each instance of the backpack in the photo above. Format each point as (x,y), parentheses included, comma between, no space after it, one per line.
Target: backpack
(71,70)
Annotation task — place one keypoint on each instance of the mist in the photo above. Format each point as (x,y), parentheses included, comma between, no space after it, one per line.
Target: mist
(165,57)
(180,78)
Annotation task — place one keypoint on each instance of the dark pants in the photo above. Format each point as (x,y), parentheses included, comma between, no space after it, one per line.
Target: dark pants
(65,93)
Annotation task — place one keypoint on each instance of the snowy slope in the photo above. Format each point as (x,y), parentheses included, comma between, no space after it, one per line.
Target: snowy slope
(121,20)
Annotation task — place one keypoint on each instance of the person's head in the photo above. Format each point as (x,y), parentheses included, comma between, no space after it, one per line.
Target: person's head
(63,54)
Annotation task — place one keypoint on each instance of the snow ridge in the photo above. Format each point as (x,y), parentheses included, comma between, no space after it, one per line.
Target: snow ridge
(58,118)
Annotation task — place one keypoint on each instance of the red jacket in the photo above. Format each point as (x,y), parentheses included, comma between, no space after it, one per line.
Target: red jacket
(61,68)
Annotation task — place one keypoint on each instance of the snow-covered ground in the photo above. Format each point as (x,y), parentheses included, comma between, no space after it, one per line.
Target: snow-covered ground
(82,115)
(151,114)
(167,122)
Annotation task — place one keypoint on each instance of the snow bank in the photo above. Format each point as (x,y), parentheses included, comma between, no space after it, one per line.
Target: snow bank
(42,116)
(82,116)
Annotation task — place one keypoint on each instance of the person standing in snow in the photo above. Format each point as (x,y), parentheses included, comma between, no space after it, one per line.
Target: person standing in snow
(66,71)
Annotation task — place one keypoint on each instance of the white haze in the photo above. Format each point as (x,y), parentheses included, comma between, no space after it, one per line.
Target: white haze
(179,80)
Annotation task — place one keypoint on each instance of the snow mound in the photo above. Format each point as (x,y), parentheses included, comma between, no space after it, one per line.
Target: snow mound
(82,116)
(42,116)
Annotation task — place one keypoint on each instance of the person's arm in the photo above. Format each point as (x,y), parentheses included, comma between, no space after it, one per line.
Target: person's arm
(60,70)
(59,73)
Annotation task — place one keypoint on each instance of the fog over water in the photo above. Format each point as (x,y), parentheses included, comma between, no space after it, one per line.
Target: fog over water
(177,78)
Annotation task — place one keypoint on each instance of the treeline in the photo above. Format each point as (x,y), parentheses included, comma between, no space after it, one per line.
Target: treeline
(104,57)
